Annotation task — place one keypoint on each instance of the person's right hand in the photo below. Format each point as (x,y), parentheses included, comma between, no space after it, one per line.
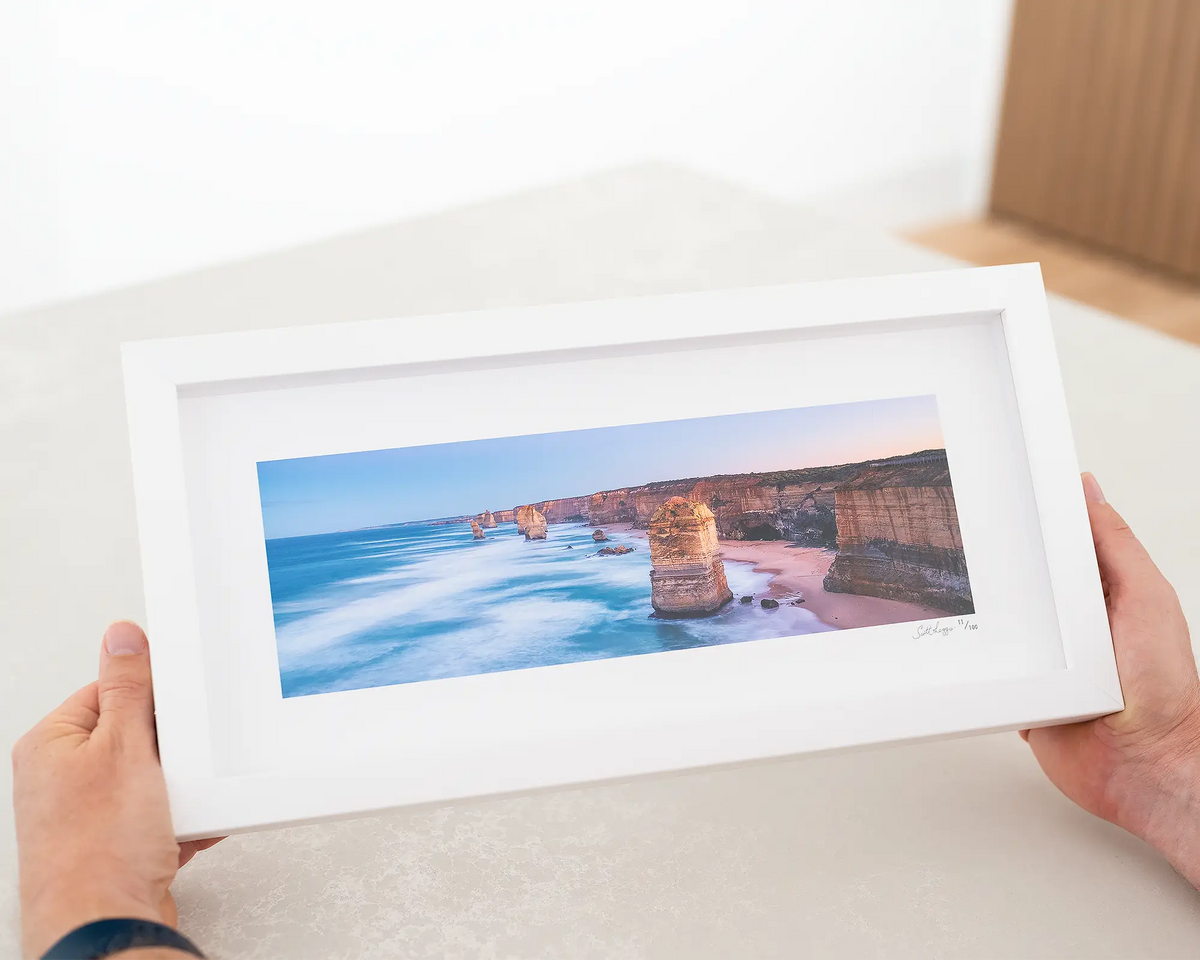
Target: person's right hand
(1139,768)
(94,834)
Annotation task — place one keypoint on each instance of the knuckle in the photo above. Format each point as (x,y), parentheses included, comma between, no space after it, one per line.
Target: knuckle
(124,688)
(1121,528)
(23,750)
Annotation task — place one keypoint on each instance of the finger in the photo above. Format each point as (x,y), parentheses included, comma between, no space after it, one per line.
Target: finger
(1123,560)
(125,696)
(78,713)
(189,848)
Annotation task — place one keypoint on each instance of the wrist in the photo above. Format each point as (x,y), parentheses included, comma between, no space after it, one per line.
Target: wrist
(151,953)
(50,913)
(1157,798)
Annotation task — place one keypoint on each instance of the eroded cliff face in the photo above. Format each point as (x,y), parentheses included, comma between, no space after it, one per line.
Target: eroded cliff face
(610,506)
(754,508)
(687,578)
(567,510)
(796,505)
(898,536)
(505,516)
(531,522)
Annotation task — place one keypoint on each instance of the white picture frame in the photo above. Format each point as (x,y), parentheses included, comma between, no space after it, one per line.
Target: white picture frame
(237,757)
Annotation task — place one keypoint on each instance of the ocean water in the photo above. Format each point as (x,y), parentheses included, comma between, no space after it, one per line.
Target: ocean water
(403,604)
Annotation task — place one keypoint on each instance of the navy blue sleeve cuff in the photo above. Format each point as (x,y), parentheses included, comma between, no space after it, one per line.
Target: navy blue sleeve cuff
(102,938)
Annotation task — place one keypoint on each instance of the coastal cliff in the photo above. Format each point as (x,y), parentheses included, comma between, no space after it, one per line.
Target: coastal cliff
(898,535)
(611,506)
(795,505)
(893,523)
(567,510)
(687,578)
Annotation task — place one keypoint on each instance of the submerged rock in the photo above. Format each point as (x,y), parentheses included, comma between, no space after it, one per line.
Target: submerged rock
(747,600)
(619,550)
(599,536)
(477,530)
(687,578)
(768,603)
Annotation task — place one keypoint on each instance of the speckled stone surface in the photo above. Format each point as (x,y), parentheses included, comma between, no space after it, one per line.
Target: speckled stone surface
(952,849)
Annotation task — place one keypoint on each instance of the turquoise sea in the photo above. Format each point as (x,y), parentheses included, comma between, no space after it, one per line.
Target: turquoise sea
(407,603)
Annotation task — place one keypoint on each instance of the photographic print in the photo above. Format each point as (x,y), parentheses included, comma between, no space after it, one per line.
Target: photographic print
(448,560)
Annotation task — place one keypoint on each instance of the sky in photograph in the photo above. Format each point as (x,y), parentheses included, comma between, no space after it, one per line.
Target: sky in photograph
(350,491)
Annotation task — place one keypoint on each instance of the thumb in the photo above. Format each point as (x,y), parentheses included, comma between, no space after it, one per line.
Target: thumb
(1123,560)
(124,691)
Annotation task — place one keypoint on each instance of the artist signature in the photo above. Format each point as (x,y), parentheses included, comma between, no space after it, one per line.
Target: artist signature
(943,628)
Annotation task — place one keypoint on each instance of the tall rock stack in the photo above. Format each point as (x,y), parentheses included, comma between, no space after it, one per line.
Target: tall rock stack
(477,530)
(898,535)
(687,578)
(486,520)
(531,522)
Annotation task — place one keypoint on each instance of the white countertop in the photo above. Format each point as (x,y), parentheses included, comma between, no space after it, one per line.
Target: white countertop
(957,848)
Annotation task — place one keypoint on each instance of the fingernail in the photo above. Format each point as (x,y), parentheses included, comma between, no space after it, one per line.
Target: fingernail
(1091,489)
(124,639)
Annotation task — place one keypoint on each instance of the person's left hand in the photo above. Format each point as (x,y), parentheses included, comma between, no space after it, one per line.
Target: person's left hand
(94,830)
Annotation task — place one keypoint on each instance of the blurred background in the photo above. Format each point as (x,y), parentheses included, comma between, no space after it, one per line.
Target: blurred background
(144,139)
(141,139)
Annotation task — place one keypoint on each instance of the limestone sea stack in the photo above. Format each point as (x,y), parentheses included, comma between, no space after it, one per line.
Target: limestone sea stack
(531,522)
(486,520)
(898,535)
(599,536)
(687,578)
(477,530)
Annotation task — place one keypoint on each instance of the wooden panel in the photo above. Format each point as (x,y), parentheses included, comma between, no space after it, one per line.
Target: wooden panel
(1100,129)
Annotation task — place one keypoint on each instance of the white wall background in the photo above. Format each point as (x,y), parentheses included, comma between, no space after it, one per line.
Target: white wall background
(142,138)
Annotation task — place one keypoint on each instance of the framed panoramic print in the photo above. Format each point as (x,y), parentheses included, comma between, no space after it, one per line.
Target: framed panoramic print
(411,560)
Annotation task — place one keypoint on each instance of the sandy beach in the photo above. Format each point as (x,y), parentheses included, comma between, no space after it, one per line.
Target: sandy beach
(798,573)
